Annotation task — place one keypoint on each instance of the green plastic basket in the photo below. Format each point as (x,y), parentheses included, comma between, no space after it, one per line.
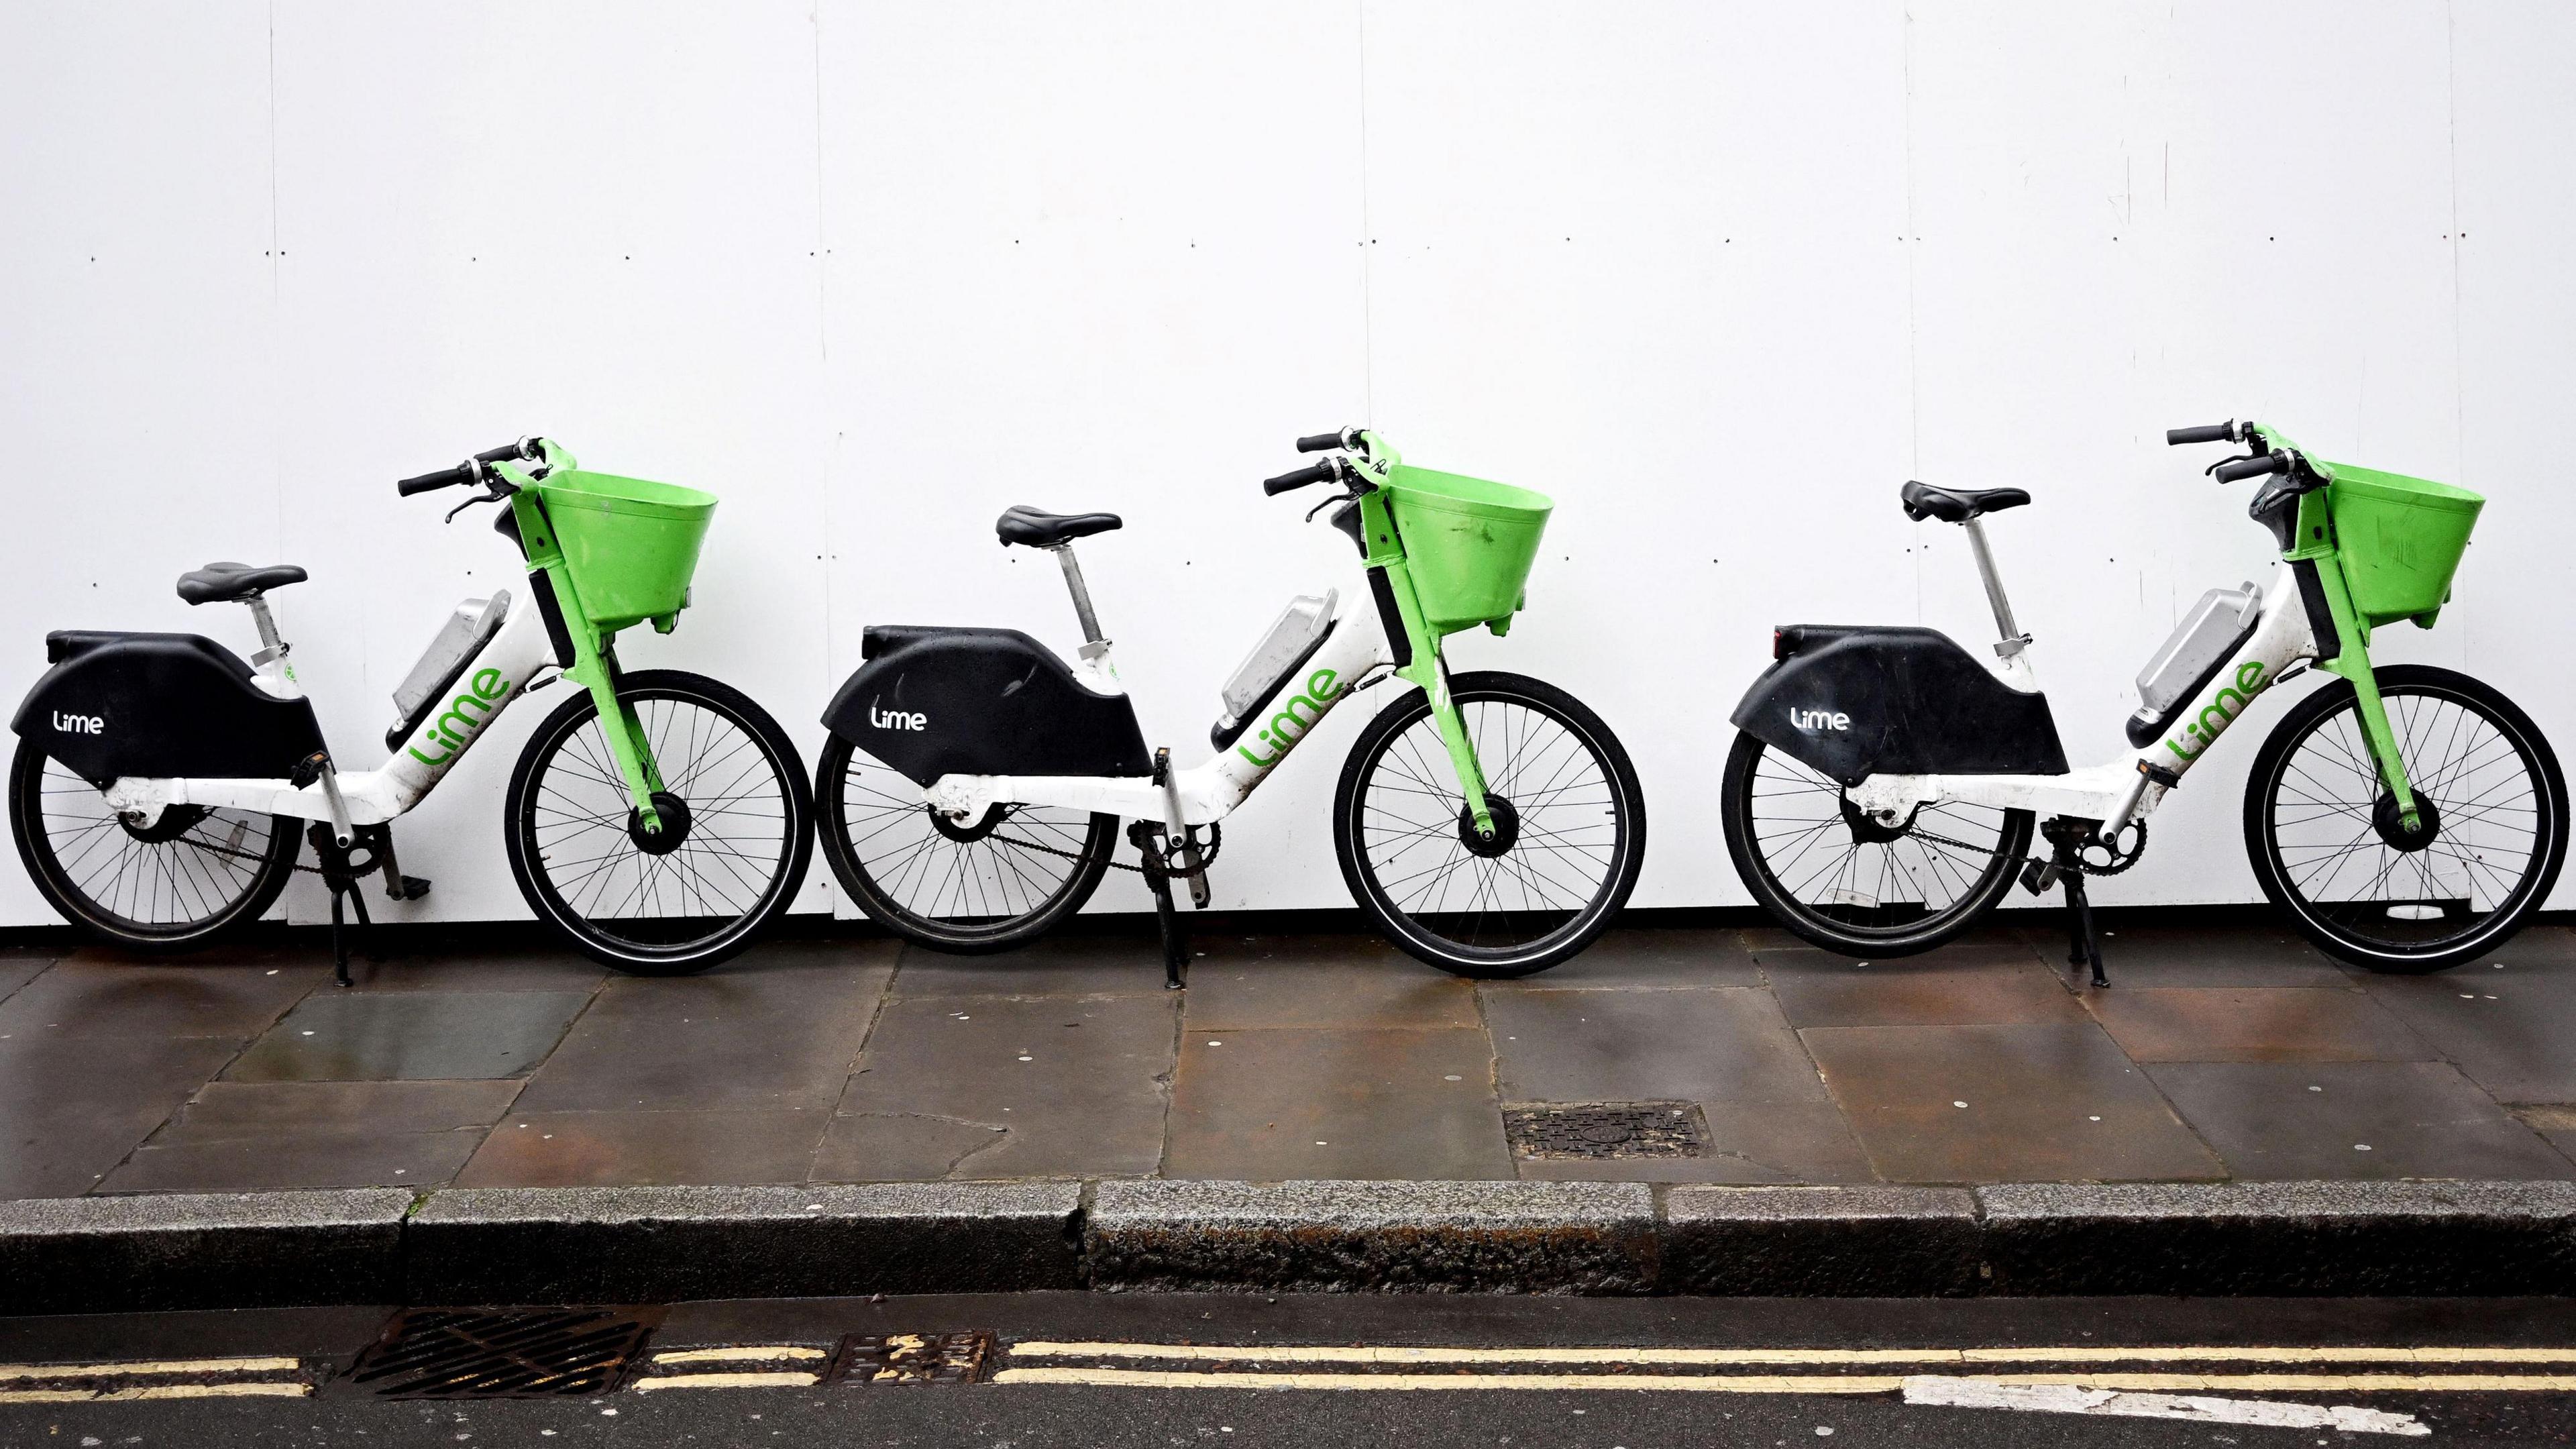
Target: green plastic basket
(1468,543)
(631,544)
(2399,540)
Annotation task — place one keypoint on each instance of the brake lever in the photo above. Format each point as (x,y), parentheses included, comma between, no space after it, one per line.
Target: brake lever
(496,493)
(2212,470)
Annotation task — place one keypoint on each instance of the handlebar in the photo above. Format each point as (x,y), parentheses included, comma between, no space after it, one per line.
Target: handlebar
(2254,467)
(471,470)
(2212,433)
(1319,442)
(1322,472)
(465,472)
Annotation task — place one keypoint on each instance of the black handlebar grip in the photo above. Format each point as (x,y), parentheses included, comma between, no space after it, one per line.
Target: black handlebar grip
(1318,442)
(2254,467)
(2214,433)
(1299,478)
(431,482)
(506,453)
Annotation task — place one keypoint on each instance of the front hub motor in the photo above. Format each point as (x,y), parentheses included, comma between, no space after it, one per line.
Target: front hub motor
(2391,825)
(674,813)
(1507,828)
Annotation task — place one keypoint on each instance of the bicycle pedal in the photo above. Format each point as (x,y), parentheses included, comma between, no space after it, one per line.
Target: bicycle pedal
(413,888)
(2038,876)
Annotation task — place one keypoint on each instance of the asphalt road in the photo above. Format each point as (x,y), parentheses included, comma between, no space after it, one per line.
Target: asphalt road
(1165,1370)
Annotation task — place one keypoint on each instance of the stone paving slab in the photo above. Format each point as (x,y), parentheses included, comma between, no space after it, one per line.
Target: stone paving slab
(1292,1057)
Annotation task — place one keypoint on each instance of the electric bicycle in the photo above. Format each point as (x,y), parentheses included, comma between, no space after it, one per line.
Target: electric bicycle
(163,786)
(1884,786)
(974,783)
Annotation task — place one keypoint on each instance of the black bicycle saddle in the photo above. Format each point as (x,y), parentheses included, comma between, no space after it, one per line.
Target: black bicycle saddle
(1957,505)
(218,582)
(1036,529)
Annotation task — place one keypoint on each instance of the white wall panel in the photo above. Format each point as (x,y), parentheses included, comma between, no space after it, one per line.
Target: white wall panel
(1718,276)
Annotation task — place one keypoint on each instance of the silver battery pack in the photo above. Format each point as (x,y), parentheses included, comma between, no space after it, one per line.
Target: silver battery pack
(462,637)
(2204,639)
(1291,637)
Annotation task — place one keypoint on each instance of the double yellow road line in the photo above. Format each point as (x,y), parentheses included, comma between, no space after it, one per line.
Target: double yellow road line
(2284,1369)
(185,1378)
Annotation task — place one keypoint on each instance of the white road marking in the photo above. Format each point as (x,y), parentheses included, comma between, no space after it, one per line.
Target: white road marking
(2309,1383)
(1967,1393)
(793,1379)
(147,1369)
(753,1354)
(1680,1357)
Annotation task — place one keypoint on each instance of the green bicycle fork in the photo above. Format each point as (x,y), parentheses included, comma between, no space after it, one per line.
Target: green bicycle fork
(1386,551)
(2352,662)
(592,666)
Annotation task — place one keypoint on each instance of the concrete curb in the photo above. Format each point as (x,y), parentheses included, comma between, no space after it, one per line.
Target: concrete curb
(666,1244)
(1821,1242)
(234,1250)
(1518,1237)
(2281,1238)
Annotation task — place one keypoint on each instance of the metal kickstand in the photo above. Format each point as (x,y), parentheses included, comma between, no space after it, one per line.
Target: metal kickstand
(2084,946)
(1158,879)
(342,875)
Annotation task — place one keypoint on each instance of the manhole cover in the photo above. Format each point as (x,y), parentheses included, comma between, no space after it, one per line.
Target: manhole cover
(1606,1129)
(437,1353)
(913,1358)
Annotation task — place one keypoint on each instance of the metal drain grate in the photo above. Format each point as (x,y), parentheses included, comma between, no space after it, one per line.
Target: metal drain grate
(913,1358)
(1606,1129)
(436,1353)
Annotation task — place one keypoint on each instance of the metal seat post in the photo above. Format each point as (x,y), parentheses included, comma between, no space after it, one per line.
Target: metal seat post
(1093,644)
(271,647)
(2014,640)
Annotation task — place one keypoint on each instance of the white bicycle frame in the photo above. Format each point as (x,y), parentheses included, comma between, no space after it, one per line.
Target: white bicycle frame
(1349,657)
(491,681)
(2127,788)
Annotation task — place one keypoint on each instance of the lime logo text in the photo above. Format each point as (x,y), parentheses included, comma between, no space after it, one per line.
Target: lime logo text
(2220,712)
(1287,727)
(1818,719)
(455,727)
(895,719)
(79,724)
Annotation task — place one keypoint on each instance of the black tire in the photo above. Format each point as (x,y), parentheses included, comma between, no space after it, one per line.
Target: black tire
(1399,796)
(196,875)
(1818,843)
(721,756)
(970,892)
(2358,890)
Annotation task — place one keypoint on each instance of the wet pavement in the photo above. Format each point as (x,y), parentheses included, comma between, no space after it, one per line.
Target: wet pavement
(2218,1053)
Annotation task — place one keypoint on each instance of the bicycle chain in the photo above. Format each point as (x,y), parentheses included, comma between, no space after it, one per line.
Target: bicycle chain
(2082,866)
(1215,843)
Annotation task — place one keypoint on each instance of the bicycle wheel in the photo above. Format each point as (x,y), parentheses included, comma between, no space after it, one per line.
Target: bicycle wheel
(987,886)
(193,874)
(1570,828)
(2328,847)
(1847,883)
(735,839)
